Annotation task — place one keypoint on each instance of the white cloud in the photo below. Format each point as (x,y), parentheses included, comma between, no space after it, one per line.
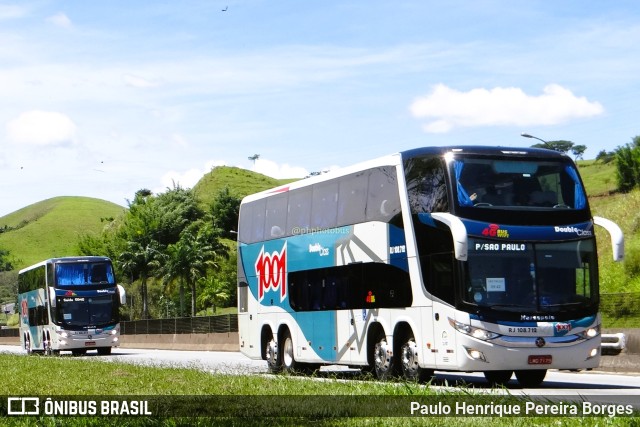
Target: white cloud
(274,170)
(60,20)
(41,128)
(11,12)
(449,108)
(138,82)
(188,178)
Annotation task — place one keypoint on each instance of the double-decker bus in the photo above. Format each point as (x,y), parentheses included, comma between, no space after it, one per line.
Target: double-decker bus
(443,258)
(70,304)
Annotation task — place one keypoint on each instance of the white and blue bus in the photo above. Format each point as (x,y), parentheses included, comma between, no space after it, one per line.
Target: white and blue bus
(453,258)
(70,304)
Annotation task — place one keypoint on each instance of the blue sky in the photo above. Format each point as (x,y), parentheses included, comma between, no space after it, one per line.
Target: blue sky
(104,98)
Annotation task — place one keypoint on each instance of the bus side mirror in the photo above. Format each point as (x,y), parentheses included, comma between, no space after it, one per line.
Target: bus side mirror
(123,295)
(52,296)
(458,232)
(617,237)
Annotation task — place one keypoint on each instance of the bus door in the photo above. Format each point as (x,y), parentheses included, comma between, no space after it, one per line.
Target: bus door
(444,336)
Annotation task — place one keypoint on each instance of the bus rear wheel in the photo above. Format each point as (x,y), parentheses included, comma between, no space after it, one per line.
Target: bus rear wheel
(289,363)
(273,356)
(499,378)
(383,359)
(531,378)
(27,344)
(409,363)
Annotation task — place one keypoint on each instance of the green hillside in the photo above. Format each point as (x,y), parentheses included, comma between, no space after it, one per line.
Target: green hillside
(241,182)
(51,227)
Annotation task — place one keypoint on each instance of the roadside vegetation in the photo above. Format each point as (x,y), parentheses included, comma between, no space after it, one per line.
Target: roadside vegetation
(251,396)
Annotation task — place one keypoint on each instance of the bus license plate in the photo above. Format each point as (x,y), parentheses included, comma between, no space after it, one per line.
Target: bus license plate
(540,360)
(93,343)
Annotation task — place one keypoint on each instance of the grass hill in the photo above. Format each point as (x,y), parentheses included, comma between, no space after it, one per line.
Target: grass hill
(241,182)
(50,228)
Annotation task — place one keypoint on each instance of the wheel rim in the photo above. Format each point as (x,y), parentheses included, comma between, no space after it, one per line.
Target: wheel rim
(287,355)
(272,353)
(381,359)
(409,359)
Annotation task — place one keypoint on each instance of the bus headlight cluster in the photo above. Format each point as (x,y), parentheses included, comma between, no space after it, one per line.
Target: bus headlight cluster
(475,354)
(479,333)
(590,333)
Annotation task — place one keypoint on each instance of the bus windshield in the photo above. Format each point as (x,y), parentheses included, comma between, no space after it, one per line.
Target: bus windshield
(86,273)
(96,311)
(517,184)
(531,277)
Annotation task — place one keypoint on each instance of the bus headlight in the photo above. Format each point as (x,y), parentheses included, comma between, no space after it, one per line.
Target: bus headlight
(64,334)
(590,333)
(478,333)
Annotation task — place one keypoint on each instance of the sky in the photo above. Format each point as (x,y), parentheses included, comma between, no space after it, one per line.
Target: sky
(105,98)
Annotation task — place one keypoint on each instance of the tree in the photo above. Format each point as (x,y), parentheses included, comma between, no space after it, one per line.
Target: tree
(5,261)
(191,258)
(560,145)
(628,165)
(224,212)
(141,262)
(578,151)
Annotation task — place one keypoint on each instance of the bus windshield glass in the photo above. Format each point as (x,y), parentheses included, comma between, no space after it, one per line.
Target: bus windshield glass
(517,184)
(532,277)
(75,311)
(87,273)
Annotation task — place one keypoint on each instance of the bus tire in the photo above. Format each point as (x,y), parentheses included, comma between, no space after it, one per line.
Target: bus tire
(411,371)
(498,378)
(531,378)
(104,351)
(27,344)
(46,344)
(289,363)
(272,355)
(383,359)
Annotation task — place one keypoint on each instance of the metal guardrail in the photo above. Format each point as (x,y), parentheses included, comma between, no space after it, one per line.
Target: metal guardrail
(182,325)
(9,332)
(613,344)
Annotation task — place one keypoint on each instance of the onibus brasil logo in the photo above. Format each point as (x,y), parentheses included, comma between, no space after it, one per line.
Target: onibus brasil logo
(271,270)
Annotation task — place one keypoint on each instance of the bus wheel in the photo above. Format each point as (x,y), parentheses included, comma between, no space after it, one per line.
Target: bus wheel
(104,351)
(288,360)
(383,361)
(531,378)
(499,378)
(409,363)
(27,344)
(46,343)
(273,356)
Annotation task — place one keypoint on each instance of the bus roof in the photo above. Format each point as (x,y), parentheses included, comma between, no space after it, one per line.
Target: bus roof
(396,158)
(66,259)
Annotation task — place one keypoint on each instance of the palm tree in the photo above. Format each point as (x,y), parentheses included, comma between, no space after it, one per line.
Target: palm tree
(191,257)
(141,262)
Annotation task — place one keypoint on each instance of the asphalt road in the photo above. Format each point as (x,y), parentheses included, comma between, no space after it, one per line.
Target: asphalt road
(599,387)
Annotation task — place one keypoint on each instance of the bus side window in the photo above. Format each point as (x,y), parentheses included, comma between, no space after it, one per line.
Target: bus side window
(352,199)
(324,206)
(276,217)
(383,201)
(299,211)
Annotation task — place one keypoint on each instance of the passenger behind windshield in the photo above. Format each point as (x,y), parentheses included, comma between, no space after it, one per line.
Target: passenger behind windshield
(487,183)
